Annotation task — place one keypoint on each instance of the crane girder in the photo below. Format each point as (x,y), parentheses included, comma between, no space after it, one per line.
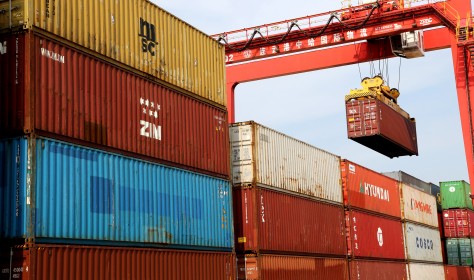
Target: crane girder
(379,25)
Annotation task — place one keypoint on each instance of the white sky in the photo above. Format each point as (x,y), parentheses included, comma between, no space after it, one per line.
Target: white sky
(310,106)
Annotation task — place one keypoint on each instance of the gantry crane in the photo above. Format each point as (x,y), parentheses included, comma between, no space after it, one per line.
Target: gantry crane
(446,24)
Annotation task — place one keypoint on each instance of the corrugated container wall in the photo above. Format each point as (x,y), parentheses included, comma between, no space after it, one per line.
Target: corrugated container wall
(409,180)
(377,270)
(47,262)
(277,267)
(455,194)
(70,94)
(375,125)
(458,223)
(271,221)
(459,251)
(424,271)
(418,206)
(55,191)
(367,189)
(136,33)
(422,243)
(457,272)
(262,156)
(372,236)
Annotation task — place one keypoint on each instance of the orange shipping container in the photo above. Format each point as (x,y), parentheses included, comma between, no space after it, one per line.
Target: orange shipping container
(276,267)
(369,190)
(94,262)
(136,33)
(377,270)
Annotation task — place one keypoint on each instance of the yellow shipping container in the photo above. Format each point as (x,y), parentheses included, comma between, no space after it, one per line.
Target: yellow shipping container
(136,33)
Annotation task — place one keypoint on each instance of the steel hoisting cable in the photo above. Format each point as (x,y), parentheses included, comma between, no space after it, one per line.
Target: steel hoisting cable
(293,24)
(399,71)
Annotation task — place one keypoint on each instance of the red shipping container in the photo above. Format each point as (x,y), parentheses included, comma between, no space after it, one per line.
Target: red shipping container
(367,189)
(457,272)
(271,221)
(94,262)
(56,91)
(372,236)
(458,223)
(374,124)
(275,267)
(377,270)
(441,224)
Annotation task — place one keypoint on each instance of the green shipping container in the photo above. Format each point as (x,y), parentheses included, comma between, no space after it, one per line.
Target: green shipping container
(459,251)
(455,194)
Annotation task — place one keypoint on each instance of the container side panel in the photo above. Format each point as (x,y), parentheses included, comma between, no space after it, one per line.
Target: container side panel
(372,236)
(81,262)
(458,223)
(138,34)
(12,82)
(92,196)
(266,157)
(418,206)
(15,202)
(268,220)
(377,270)
(421,271)
(277,267)
(411,181)
(80,97)
(455,194)
(422,243)
(457,272)
(366,189)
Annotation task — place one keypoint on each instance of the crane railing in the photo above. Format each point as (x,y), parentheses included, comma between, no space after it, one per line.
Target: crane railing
(283,28)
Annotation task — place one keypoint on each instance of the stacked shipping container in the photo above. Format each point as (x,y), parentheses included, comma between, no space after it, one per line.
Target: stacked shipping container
(374,227)
(112,136)
(421,227)
(458,219)
(289,218)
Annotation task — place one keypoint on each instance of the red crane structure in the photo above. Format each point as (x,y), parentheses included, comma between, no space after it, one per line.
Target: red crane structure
(356,34)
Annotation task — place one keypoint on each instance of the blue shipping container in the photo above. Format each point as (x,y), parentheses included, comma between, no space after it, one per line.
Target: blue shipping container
(57,192)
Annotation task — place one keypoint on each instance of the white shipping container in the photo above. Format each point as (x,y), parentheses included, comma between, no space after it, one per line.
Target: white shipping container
(418,206)
(424,271)
(262,156)
(422,243)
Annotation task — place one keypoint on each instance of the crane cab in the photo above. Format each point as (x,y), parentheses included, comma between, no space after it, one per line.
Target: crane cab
(408,44)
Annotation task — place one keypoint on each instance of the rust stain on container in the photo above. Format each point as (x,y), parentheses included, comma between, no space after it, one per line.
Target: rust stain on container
(367,189)
(93,262)
(375,125)
(271,221)
(276,267)
(72,95)
(136,33)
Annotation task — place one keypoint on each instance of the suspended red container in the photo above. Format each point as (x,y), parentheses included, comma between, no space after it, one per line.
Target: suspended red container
(57,91)
(373,236)
(272,221)
(374,124)
(369,190)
